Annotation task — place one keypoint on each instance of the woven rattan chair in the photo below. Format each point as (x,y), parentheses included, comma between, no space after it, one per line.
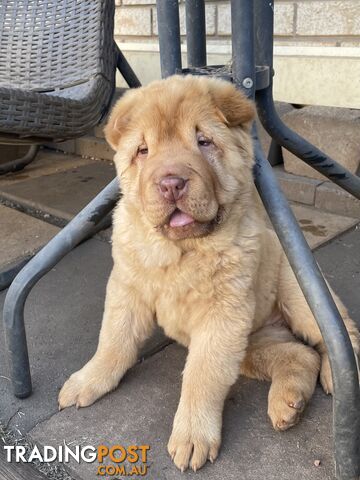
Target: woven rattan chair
(57,70)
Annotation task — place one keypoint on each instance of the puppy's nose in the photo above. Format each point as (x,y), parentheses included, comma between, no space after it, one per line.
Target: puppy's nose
(172,188)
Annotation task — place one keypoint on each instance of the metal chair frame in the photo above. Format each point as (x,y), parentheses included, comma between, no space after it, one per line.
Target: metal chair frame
(252,47)
(20,163)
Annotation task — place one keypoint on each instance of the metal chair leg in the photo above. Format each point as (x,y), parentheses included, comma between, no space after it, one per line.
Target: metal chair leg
(275,156)
(20,163)
(304,150)
(346,413)
(195,33)
(125,69)
(284,136)
(75,231)
(169,39)
(7,276)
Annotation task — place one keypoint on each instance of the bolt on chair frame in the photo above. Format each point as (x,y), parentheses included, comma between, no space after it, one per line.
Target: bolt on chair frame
(252,45)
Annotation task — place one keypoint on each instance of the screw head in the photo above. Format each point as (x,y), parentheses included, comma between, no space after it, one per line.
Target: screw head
(247,82)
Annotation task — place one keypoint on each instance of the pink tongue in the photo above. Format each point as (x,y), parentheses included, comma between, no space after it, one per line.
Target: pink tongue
(180,219)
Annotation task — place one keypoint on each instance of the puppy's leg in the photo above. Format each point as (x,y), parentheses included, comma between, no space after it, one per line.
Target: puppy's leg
(127,322)
(274,354)
(212,366)
(302,322)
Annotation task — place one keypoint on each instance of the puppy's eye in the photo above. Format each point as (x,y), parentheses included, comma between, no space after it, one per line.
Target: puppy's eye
(204,141)
(142,150)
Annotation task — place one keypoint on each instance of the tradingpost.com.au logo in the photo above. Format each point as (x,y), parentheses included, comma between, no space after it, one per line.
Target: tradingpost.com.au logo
(120,460)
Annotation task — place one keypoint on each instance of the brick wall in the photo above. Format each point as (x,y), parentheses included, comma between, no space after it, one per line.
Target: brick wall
(313,22)
(317,29)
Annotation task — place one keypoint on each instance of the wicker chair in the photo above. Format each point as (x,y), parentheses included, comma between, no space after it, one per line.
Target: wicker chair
(57,70)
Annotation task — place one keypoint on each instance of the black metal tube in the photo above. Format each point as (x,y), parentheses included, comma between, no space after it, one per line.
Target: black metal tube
(297,145)
(7,276)
(243,45)
(20,163)
(169,36)
(272,123)
(264,21)
(346,412)
(125,69)
(196,33)
(346,420)
(75,231)
(275,155)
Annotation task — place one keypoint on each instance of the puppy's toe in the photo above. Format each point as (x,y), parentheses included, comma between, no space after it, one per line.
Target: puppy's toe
(285,408)
(182,455)
(203,451)
(192,452)
(325,375)
(180,451)
(214,451)
(76,391)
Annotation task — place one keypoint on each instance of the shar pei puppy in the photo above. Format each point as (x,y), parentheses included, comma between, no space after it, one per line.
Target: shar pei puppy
(192,252)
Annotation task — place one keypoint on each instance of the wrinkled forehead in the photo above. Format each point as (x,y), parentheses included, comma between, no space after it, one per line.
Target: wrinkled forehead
(168,113)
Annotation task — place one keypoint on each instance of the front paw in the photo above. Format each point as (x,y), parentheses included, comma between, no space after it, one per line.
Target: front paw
(192,444)
(83,388)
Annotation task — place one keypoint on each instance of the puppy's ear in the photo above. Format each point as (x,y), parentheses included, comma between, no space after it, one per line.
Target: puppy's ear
(234,107)
(120,117)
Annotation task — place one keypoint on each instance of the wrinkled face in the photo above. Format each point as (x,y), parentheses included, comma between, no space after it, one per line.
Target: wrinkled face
(183,153)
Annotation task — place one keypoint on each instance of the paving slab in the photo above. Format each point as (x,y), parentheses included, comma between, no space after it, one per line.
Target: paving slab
(21,236)
(61,194)
(332,130)
(340,263)
(296,187)
(141,411)
(320,227)
(46,162)
(63,315)
(331,198)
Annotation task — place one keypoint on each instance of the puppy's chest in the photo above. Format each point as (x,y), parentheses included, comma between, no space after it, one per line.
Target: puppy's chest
(184,295)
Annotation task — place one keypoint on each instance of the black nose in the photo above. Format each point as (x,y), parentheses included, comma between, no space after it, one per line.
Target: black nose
(172,188)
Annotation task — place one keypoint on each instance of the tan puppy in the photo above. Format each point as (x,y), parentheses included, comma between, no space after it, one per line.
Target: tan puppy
(192,252)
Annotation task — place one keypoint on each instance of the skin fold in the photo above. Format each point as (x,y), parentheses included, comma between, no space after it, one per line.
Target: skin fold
(192,252)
